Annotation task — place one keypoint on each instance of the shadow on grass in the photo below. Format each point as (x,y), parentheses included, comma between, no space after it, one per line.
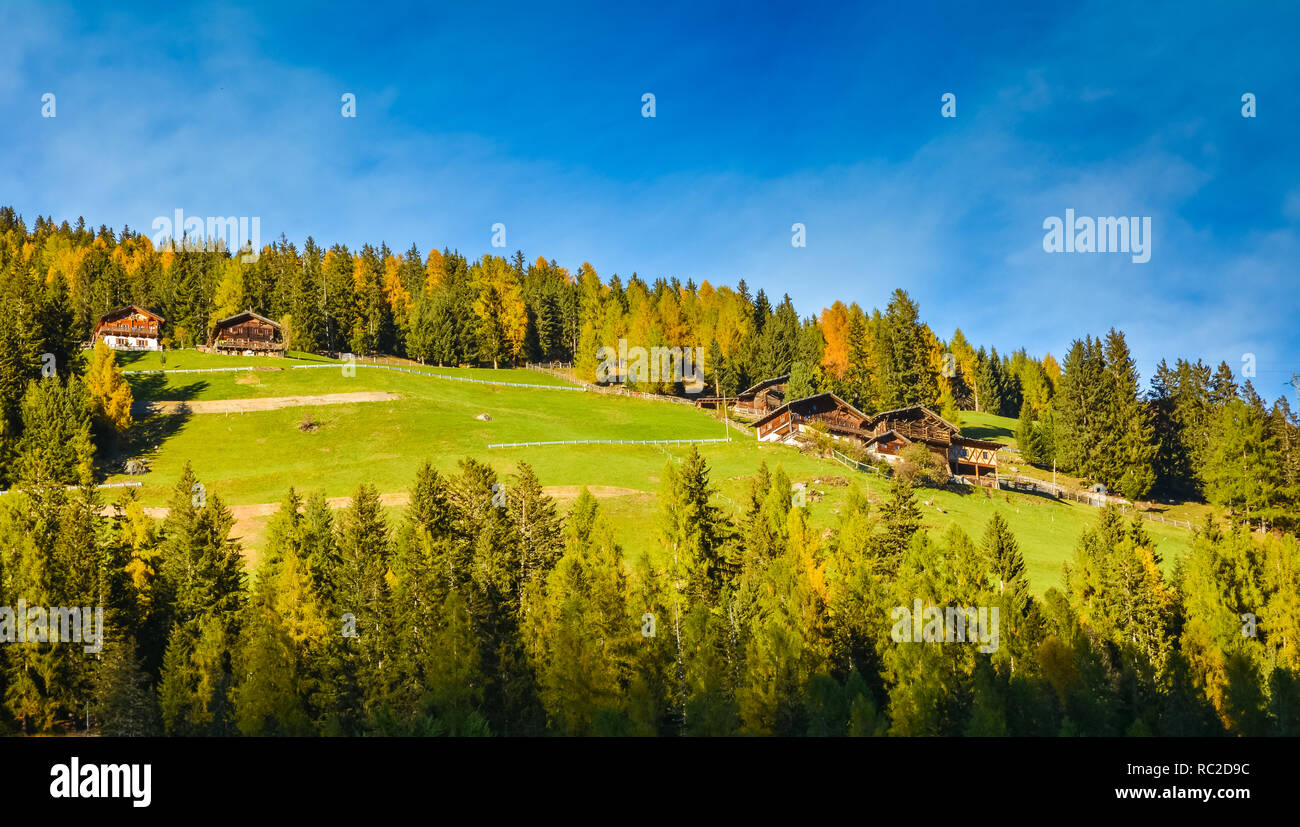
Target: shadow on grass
(145,438)
(1045,495)
(127,359)
(302,356)
(987,432)
(150,386)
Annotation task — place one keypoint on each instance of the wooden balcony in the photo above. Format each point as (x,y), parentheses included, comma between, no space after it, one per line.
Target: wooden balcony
(132,331)
(249,344)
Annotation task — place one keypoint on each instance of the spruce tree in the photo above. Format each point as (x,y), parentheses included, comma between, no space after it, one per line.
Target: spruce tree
(124,703)
(1026,439)
(909,377)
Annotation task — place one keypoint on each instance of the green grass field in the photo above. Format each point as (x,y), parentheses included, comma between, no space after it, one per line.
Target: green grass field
(989,426)
(177,360)
(253,458)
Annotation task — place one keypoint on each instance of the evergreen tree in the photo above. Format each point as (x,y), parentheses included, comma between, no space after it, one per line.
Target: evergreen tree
(124,704)
(1130,468)
(909,377)
(1243,466)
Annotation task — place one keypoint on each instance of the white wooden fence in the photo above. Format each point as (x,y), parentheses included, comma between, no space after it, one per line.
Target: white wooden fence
(611,442)
(345,365)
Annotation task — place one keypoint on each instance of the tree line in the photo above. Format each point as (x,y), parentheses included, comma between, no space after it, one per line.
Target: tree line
(1191,434)
(473,614)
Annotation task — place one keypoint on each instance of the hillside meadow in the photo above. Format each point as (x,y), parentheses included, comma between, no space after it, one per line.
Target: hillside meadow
(250,459)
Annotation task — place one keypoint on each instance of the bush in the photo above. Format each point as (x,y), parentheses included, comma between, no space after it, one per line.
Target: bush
(821,438)
(921,465)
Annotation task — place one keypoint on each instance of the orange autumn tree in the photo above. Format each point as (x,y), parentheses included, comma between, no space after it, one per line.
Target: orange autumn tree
(110,395)
(834,323)
(502,314)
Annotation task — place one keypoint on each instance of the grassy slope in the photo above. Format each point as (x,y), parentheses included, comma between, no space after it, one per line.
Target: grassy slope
(989,426)
(255,457)
(194,360)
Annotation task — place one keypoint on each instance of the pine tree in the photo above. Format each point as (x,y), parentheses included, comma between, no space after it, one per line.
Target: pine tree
(363,588)
(200,567)
(909,377)
(1082,438)
(1010,586)
(1026,438)
(55,447)
(539,526)
(900,519)
(695,530)
(124,704)
(1243,468)
(1130,468)
(994,393)
(858,385)
(581,635)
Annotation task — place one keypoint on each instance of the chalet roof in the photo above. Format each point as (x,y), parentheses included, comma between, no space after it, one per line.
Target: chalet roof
(803,402)
(913,412)
(766,383)
(130,308)
(246,315)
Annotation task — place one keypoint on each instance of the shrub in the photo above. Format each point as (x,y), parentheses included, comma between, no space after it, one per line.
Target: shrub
(920,464)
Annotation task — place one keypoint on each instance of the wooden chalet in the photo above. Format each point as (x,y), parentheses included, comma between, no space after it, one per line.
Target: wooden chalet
(759,400)
(839,418)
(889,432)
(129,328)
(248,333)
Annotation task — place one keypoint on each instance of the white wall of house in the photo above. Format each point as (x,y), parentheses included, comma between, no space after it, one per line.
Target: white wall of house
(131,343)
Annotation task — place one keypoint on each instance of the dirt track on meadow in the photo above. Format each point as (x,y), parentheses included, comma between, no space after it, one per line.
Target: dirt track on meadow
(268,403)
(252,512)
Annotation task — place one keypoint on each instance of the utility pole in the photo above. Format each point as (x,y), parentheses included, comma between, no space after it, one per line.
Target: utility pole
(726,426)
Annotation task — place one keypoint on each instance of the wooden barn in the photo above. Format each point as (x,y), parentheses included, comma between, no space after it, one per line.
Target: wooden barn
(974,459)
(763,398)
(249,333)
(889,432)
(129,328)
(759,400)
(839,418)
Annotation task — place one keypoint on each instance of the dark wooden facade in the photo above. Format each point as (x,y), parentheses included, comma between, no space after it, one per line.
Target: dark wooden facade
(839,418)
(891,431)
(889,443)
(129,328)
(764,397)
(759,400)
(247,332)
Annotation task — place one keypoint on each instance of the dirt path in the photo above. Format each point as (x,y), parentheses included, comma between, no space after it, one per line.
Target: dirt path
(259,510)
(250,520)
(269,403)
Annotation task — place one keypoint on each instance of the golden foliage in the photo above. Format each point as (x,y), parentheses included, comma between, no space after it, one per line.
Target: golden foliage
(434,270)
(834,323)
(110,395)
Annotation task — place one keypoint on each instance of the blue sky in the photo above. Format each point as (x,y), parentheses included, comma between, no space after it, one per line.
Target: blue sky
(766,115)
